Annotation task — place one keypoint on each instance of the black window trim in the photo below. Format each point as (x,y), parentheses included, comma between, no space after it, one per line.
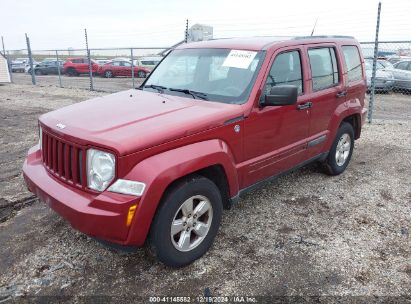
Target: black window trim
(332,64)
(299,50)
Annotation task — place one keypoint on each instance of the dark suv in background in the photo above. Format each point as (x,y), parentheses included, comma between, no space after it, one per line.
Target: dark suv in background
(48,67)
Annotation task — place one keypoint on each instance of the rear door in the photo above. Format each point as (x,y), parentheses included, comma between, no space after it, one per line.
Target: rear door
(275,136)
(327,92)
(53,67)
(126,69)
(83,66)
(116,68)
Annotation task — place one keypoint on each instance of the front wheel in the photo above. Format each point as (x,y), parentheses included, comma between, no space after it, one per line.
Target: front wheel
(187,222)
(341,150)
(108,74)
(72,72)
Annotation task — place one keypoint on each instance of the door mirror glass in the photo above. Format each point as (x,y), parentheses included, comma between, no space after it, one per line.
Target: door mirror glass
(281,95)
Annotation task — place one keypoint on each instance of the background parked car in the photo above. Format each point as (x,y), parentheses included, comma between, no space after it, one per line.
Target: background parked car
(47,67)
(386,64)
(395,59)
(78,65)
(148,62)
(384,78)
(21,64)
(121,68)
(402,74)
(102,60)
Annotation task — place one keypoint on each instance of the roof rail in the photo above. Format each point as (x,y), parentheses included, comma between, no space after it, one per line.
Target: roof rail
(325,36)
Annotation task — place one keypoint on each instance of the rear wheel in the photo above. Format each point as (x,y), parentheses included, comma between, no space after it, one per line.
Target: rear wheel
(141,74)
(187,222)
(37,72)
(341,150)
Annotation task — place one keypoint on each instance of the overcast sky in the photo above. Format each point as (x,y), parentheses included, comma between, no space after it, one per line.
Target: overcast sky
(60,24)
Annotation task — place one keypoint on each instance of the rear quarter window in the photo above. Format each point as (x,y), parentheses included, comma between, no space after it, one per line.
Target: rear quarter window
(352,62)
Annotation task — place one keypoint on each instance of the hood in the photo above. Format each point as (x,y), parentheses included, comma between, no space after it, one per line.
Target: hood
(133,120)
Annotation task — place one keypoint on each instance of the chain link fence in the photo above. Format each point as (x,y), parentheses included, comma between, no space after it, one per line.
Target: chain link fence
(392,72)
(112,70)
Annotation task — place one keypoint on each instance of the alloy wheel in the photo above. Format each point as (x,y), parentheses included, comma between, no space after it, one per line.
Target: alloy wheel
(343,149)
(191,223)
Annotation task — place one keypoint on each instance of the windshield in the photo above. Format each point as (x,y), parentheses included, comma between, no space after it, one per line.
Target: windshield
(369,63)
(386,64)
(222,75)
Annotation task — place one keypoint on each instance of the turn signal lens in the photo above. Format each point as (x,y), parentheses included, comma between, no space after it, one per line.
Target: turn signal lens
(130,215)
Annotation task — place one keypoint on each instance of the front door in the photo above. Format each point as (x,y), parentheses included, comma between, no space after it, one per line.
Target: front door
(275,136)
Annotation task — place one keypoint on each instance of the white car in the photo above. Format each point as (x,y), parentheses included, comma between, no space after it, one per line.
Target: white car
(149,62)
(21,65)
(102,61)
(402,74)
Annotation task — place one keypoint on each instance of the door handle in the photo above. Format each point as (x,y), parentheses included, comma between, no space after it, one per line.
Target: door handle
(305,105)
(341,94)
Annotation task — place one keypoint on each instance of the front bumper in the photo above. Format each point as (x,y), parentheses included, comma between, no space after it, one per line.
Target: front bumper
(101,215)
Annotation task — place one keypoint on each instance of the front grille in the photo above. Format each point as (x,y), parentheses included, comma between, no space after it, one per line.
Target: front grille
(64,160)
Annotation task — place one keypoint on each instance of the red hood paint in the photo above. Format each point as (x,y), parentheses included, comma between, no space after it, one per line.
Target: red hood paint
(133,120)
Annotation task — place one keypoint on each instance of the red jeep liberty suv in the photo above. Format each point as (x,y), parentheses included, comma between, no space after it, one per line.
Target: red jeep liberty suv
(158,164)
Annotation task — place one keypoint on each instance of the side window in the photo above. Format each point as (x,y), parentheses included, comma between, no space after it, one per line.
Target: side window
(352,62)
(402,65)
(324,69)
(286,69)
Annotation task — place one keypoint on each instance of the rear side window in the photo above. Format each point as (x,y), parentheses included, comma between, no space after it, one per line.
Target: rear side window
(286,69)
(352,62)
(402,65)
(324,69)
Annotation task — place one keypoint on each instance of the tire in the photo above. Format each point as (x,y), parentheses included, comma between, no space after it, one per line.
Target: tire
(108,74)
(37,72)
(71,72)
(141,74)
(168,244)
(341,150)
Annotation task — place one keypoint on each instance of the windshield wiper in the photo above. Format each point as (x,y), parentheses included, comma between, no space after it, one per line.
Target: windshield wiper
(195,94)
(159,88)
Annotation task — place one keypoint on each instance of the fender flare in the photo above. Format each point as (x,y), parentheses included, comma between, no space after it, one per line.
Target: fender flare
(341,113)
(159,171)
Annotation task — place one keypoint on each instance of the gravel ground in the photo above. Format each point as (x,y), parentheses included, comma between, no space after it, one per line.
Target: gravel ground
(306,234)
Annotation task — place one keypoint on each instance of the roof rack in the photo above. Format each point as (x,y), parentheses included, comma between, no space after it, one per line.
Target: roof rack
(325,36)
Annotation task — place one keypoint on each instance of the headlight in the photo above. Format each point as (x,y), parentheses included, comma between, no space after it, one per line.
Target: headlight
(127,187)
(100,169)
(40,137)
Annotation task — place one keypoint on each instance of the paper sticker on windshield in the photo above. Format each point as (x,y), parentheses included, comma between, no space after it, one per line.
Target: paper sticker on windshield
(239,59)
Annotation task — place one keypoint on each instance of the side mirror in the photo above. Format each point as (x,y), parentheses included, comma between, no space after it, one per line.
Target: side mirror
(282,95)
